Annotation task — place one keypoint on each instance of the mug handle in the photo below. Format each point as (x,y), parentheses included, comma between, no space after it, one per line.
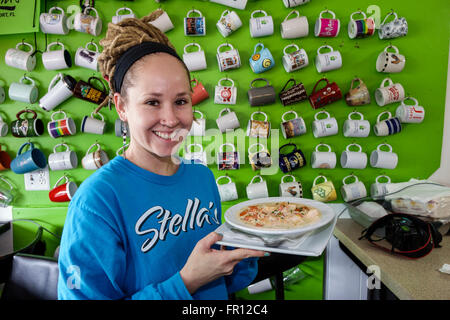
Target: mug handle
(224,45)
(264,79)
(189,146)
(91,43)
(323,111)
(256,144)
(88,9)
(288,176)
(290,80)
(292,12)
(384,112)
(195,11)
(124,9)
(327,11)
(55,43)
(287,112)
(99,80)
(59,145)
(416,103)
(227,144)
(350,176)
(323,144)
(56,78)
(288,144)
(63,177)
(383,176)
(258,11)
(259,112)
(26,110)
(7,182)
(93,145)
(57,8)
(259,44)
(201,115)
(93,113)
(224,13)
(388,15)
(323,79)
(354,144)
(25,44)
(192,44)
(19,152)
(222,111)
(257,176)
(226,177)
(354,80)
(232,82)
(358,12)
(325,46)
(289,46)
(384,82)
(384,144)
(27,78)
(355,112)
(393,47)
(59,111)
(315,180)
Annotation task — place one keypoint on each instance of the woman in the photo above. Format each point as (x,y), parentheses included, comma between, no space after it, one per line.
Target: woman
(141,227)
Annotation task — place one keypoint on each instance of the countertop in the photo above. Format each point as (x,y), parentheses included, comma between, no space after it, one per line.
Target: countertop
(416,279)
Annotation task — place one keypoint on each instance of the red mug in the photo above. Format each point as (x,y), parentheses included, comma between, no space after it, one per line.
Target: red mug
(63,192)
(328,94)
(199,92)
(5,160)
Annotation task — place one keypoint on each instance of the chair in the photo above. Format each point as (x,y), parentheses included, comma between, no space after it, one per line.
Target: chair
(32,277)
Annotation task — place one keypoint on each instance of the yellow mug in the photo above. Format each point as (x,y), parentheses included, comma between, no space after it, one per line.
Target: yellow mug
(323,191)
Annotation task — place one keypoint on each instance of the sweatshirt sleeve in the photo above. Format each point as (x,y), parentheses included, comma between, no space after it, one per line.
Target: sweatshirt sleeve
(92,263)
(244,273)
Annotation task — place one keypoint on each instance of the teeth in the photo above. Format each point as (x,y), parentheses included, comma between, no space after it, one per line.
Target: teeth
(166,135)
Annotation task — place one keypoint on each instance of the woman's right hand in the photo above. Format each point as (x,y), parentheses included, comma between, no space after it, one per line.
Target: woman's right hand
(206,264)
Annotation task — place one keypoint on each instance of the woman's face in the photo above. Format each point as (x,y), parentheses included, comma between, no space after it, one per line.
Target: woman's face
(158,105)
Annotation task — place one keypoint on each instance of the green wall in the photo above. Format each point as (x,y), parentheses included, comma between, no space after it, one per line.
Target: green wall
(424,77)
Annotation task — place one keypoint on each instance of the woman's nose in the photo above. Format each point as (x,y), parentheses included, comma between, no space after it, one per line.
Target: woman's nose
(168,116)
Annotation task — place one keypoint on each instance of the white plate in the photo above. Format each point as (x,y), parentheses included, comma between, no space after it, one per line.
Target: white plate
(327,214)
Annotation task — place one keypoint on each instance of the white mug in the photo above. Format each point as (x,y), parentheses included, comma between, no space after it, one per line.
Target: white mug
(328,61)
(20,91)
(391,125)
(353,191)
(290,189)
(119,17)
(60,89)
(294,60)
(390,62)
(323,159)
(63,160)
(20,59)
(256,190)
(162,22)
(378,188)
(353,159)
(295,27)
(356,128)
(227,121)
(293,127)
(391,93)
(86,58)
(238,4)
(196,156)
(228,22)
(96,159)
(229,59)
(53,23)
(383,159)
(84,22)
(261,26)
(324,127)
(90,124)
(410,113)
(195,60)
(198,125)
(225,94)
(56,59)
(294,3)
(3,128)
(227,191)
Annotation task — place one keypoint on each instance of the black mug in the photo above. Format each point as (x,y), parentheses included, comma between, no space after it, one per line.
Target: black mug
(292,160)
(294,94)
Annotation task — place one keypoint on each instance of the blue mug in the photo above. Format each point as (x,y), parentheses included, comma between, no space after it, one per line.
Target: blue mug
(261,60)
(28,161)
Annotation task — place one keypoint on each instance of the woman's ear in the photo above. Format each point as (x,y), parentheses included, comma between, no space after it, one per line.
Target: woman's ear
(120,106)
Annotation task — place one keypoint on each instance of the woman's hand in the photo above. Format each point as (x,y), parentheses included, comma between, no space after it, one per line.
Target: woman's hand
(206,264)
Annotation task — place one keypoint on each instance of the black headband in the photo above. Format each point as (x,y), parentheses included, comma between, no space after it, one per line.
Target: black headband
(133,54)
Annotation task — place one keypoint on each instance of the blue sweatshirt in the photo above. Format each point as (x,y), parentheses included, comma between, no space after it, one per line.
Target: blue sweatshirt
(129,232)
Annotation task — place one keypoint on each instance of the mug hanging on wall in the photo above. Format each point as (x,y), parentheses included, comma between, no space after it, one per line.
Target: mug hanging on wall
(59,90)
(360,28)
(87,58)
(63,192)
(194,26)
(228,22)
(260,26)
(23,127)
(296,93)
(119,17)
(194,60)
(196,156)
(259,158)
(393,92)
(353,191)
(62,160)
(225,94)
(359,95)
(391,125)
(327,61)
(292,160)
(262,59)
(56,59)
(228,59)
(96,159)
(228,121)
(53,23)
(408,113)
(227,191)
(290,189)
(324,191)
(390,62)
(86,23)
(328,94)
(327,27)
(198,125)
(256,190)
(28,161)
(199,92)
(296,27)
(20,59)
(228,160)
(323,159)
(258,128)
(294,60)
(61,127)
(162,20)
(293,127)
(23,92)
(86,91)
(260,96)
(393,29)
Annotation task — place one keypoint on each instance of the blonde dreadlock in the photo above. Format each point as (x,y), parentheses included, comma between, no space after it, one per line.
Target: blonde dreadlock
(122,36)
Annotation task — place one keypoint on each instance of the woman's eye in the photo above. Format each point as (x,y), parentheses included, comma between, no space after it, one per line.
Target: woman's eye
(181,102)
(152,102)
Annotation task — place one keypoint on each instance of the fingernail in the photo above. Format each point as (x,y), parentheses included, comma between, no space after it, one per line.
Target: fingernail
(266,254)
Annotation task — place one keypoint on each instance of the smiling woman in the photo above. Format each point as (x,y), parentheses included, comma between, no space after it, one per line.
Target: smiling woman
(141,227)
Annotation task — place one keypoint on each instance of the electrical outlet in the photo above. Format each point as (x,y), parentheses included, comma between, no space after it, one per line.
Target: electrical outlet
(37,180)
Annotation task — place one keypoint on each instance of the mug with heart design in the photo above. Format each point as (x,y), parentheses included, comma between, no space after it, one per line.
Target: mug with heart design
(24,92)
(391,93)
(259,158)
(360,28)
(6,194)
(225,94)
(324,127)
(258,128)
(96,159)
(295,60)
(357,128)
(359,95)
(62,160)
(391,125)
(227,191)
(199,92)
(408,113)
(52,22)
(228,121)
(119,17)
(327,61)
(328,94)
(327,27)
(292,160)
(353,191)
(353,159)
(228,59)
(198,125)
(86,23)
(196,156)
(260,26)
(293,127)
(384,159)
(390,62)
(63,192)
(194,60)
(256,190)
(194,26)
(228,160)
(24,127)
(393,29)
(290,189)
(296,27)
(229,22)
(262,59)
(260,96)
(323,159)
(323,191)
(21,59)
(296,93)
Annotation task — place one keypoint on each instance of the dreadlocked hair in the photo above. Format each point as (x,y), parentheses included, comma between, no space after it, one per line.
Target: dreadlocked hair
(122,36)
